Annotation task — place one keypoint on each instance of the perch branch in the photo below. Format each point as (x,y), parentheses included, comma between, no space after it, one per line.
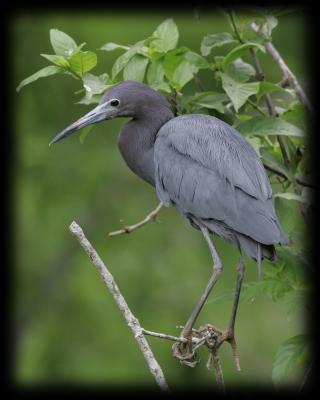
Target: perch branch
(132,321)
(151,217)
(169,337)
(286,71)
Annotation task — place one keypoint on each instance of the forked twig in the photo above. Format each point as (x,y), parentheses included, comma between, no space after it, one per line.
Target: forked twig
(151,217)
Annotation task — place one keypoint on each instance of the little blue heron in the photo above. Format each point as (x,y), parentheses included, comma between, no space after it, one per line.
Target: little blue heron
(201,165)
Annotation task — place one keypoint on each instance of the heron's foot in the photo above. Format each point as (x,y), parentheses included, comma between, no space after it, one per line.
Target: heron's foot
(185,352)
(225,336)
(210,336)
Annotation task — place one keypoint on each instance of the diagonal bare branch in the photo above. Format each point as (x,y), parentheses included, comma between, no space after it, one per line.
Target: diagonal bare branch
(132,321)
(286,71)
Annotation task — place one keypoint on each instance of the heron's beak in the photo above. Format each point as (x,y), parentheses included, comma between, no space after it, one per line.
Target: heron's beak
(100,113)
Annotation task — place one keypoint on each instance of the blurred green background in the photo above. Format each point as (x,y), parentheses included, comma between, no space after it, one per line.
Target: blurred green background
(67,326)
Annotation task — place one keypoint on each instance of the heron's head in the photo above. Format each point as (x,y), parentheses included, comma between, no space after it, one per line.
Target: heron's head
(126,99)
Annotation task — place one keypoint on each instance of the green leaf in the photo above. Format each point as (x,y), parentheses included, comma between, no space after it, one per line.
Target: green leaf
(62,44)
(155,72)
(268,87)
(172,60)
(136,68)
(197,60)
(211,100)
(95,84)
(90,98)
(82,62)
(268,126)
(273,162)
(183,74)
(269,25)
(255,143)
(166,36)
(84,132)
(292,196)
(215,40)
(57,60)
(238,92)
(113,46)
(44,72)
(239,70)
(292,352)
(155,76)
(295,115)
(239,50)
(123,60)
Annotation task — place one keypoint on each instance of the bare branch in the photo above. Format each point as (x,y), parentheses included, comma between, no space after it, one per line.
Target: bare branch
(132,321)
(151,217)
(168,337)
(286,71)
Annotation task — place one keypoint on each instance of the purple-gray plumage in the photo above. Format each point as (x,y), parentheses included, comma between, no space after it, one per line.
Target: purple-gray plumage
(199,163)
(213,175)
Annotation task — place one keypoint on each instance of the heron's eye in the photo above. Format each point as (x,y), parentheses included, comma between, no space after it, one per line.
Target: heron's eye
(114,102)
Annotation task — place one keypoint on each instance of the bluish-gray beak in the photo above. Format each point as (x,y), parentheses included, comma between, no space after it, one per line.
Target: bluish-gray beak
(100,113)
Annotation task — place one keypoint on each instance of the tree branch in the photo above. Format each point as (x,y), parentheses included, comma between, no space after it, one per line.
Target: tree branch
(151,217)
(286,71)
(132,321)
(261,76)
(169,337)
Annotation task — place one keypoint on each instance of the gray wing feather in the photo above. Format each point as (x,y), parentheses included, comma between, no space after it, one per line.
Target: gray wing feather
(212,173)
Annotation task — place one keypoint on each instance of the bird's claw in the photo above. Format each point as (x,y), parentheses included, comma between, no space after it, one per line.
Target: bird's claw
(185,353)
(210,336)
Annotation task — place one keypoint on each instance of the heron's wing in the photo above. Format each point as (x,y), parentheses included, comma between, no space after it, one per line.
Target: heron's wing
(210,171)
(220,148)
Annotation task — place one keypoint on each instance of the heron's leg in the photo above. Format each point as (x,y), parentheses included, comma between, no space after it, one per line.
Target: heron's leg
(228,334)
(240,274)
(217,269)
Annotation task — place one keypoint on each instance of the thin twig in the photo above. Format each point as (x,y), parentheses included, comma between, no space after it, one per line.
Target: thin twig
(151,217)
(286,71)
(234,25)
(168,337)
(132,321)
(254,105)
(279,173)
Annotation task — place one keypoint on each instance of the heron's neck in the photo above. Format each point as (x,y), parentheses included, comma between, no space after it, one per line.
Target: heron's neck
(136,142)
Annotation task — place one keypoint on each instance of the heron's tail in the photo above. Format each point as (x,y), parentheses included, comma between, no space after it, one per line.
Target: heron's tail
(255,250)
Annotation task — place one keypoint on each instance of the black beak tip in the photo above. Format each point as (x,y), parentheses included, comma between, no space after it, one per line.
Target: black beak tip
(57,138)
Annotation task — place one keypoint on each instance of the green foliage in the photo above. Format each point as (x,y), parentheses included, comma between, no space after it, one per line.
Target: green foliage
(238,92)
(215,40)
(165,37)
(44,72)
(266,126)
(240,50)
(292,352)
(238,97)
